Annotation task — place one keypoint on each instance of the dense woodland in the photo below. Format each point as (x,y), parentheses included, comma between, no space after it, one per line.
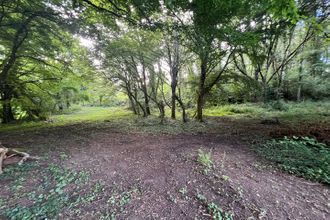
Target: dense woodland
(176,54)
(164,109)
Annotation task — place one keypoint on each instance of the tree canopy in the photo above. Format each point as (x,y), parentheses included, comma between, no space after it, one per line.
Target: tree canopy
(189,53)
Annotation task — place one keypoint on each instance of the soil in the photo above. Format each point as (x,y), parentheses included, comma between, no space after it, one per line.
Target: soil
(168,179)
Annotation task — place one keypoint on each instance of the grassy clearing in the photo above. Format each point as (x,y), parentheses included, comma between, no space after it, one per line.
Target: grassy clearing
(303,157)
(121,119)
(125,120)
(287,111)
(84,115)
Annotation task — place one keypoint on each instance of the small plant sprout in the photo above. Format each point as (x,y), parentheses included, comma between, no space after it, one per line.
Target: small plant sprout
(183,190)
(225,178)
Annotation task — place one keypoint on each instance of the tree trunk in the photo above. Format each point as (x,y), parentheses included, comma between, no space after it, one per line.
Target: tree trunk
(136,101)
(299,81)
(173,89)
(264,91)
(174,73)
(201,92)
(146,103)
(200,104)
(133,107)
(145,90)
(7,112)
(184,114)
(161,107)
(100,99)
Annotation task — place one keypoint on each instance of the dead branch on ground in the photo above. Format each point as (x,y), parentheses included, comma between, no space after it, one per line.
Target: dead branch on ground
(6,153)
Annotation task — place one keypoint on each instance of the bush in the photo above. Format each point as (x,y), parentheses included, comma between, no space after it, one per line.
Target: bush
(303,157)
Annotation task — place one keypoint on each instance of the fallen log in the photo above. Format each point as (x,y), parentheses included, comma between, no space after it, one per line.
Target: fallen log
(6,153)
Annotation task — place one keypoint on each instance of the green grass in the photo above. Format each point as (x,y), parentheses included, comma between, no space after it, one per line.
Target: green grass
(303,157)
(286,111)
(84,115)
(127,121)
(227,110)
(121,119)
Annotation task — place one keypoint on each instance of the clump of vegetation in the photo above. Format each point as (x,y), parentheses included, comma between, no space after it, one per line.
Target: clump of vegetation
(301,156)
(213,209)
(46,198)
(205,159)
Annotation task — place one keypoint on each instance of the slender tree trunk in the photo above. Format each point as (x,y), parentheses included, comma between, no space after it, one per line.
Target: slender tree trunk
(68,103)
(173,107)
(299,81)
(201,92)
(131,100)
(256,77)
(161,107)
(183,108)
(174,74)
(145,92)
(264,91)
(135,102)
(133,107)
(7,112)
(145,114)
(100,99)
(146,102)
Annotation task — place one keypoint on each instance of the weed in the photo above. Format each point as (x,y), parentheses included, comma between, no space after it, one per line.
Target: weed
(225,178)
(183,190)
(118,201)
(107,216)
(172,198)
(303,156)
(213,209)
(205,159)
(217,213)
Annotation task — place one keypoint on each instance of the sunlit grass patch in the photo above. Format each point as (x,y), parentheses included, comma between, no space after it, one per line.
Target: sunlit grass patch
(287,111)
(84,115)
(234,109)
(90,114)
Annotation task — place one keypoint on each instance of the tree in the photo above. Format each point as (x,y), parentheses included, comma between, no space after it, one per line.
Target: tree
(279,38)
(130,59)
(34,48)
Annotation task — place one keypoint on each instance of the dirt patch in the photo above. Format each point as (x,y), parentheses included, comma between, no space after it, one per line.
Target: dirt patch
(145,176)
(319,131)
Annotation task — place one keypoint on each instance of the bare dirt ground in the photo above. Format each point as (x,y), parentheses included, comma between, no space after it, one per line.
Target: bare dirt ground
(162,179)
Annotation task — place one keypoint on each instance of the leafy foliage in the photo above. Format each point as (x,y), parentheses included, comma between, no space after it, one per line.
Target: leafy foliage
(300,156)
(47,198)
(214,210)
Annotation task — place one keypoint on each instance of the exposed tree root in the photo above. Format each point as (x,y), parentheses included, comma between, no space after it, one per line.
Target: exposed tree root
(6,153)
